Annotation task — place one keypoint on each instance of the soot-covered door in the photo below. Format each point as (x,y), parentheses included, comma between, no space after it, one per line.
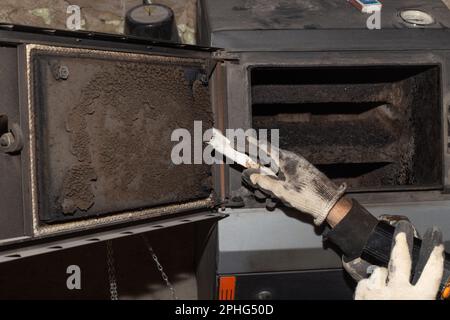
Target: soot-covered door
(100,126)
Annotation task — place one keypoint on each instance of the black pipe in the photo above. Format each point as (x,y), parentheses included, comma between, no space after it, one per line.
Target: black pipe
(152,21)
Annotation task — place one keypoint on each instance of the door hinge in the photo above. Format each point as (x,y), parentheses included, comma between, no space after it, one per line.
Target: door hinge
(11,138)
(223,55)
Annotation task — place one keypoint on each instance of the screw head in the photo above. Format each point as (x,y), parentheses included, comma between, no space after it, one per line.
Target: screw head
(204,79)
(264,295)
(63,72)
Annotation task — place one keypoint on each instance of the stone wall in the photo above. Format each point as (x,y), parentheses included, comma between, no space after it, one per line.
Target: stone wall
(98,15)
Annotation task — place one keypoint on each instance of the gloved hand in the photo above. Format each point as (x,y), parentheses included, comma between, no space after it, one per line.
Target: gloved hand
(360,269)
(394,283)
(298,184)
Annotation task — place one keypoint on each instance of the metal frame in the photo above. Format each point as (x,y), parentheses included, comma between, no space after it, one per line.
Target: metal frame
(27,34)
(27,248)
(239,94)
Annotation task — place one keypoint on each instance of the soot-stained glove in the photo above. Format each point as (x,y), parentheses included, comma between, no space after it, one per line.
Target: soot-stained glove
(298,184)
(394,282)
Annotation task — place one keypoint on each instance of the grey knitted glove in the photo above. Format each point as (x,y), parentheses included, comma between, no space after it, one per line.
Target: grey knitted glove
(298,184)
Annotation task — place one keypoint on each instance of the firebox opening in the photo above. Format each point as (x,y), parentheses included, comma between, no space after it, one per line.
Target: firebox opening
(372,127)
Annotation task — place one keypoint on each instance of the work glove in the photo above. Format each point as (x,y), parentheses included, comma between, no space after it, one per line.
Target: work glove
(359,268)
(394,282)
(298,183)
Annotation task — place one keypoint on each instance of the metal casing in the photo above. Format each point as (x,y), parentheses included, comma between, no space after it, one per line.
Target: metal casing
(47,75)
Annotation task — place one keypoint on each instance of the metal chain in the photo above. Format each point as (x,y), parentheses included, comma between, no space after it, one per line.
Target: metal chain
(111,271)
(164,276)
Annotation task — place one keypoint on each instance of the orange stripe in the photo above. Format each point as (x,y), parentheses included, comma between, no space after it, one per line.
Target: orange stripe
(446,292)
(227,286)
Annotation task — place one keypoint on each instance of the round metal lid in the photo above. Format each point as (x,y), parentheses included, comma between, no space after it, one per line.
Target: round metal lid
(416,17)
(151,13)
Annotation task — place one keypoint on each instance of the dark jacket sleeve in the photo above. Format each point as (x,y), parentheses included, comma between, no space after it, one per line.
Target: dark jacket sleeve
(352,232)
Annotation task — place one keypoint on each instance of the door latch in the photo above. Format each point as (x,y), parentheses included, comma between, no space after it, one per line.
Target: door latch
(11,138)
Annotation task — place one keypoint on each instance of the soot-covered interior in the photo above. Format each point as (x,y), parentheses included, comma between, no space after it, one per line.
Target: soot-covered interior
(374,128)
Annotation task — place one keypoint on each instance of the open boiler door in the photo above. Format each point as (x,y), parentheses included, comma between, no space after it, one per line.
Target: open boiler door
(89,118)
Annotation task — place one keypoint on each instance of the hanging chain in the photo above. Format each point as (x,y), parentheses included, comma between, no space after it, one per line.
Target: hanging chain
(111,271)
(164,276)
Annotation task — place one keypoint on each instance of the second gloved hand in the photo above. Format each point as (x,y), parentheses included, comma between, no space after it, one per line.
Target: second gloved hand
(394,282)
(298,184)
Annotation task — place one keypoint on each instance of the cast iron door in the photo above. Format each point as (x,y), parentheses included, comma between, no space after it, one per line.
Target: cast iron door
(97,125)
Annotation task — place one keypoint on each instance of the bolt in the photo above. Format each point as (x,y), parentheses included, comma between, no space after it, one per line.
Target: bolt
(6,140)
(63,72)
(203,78)
(264,295)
